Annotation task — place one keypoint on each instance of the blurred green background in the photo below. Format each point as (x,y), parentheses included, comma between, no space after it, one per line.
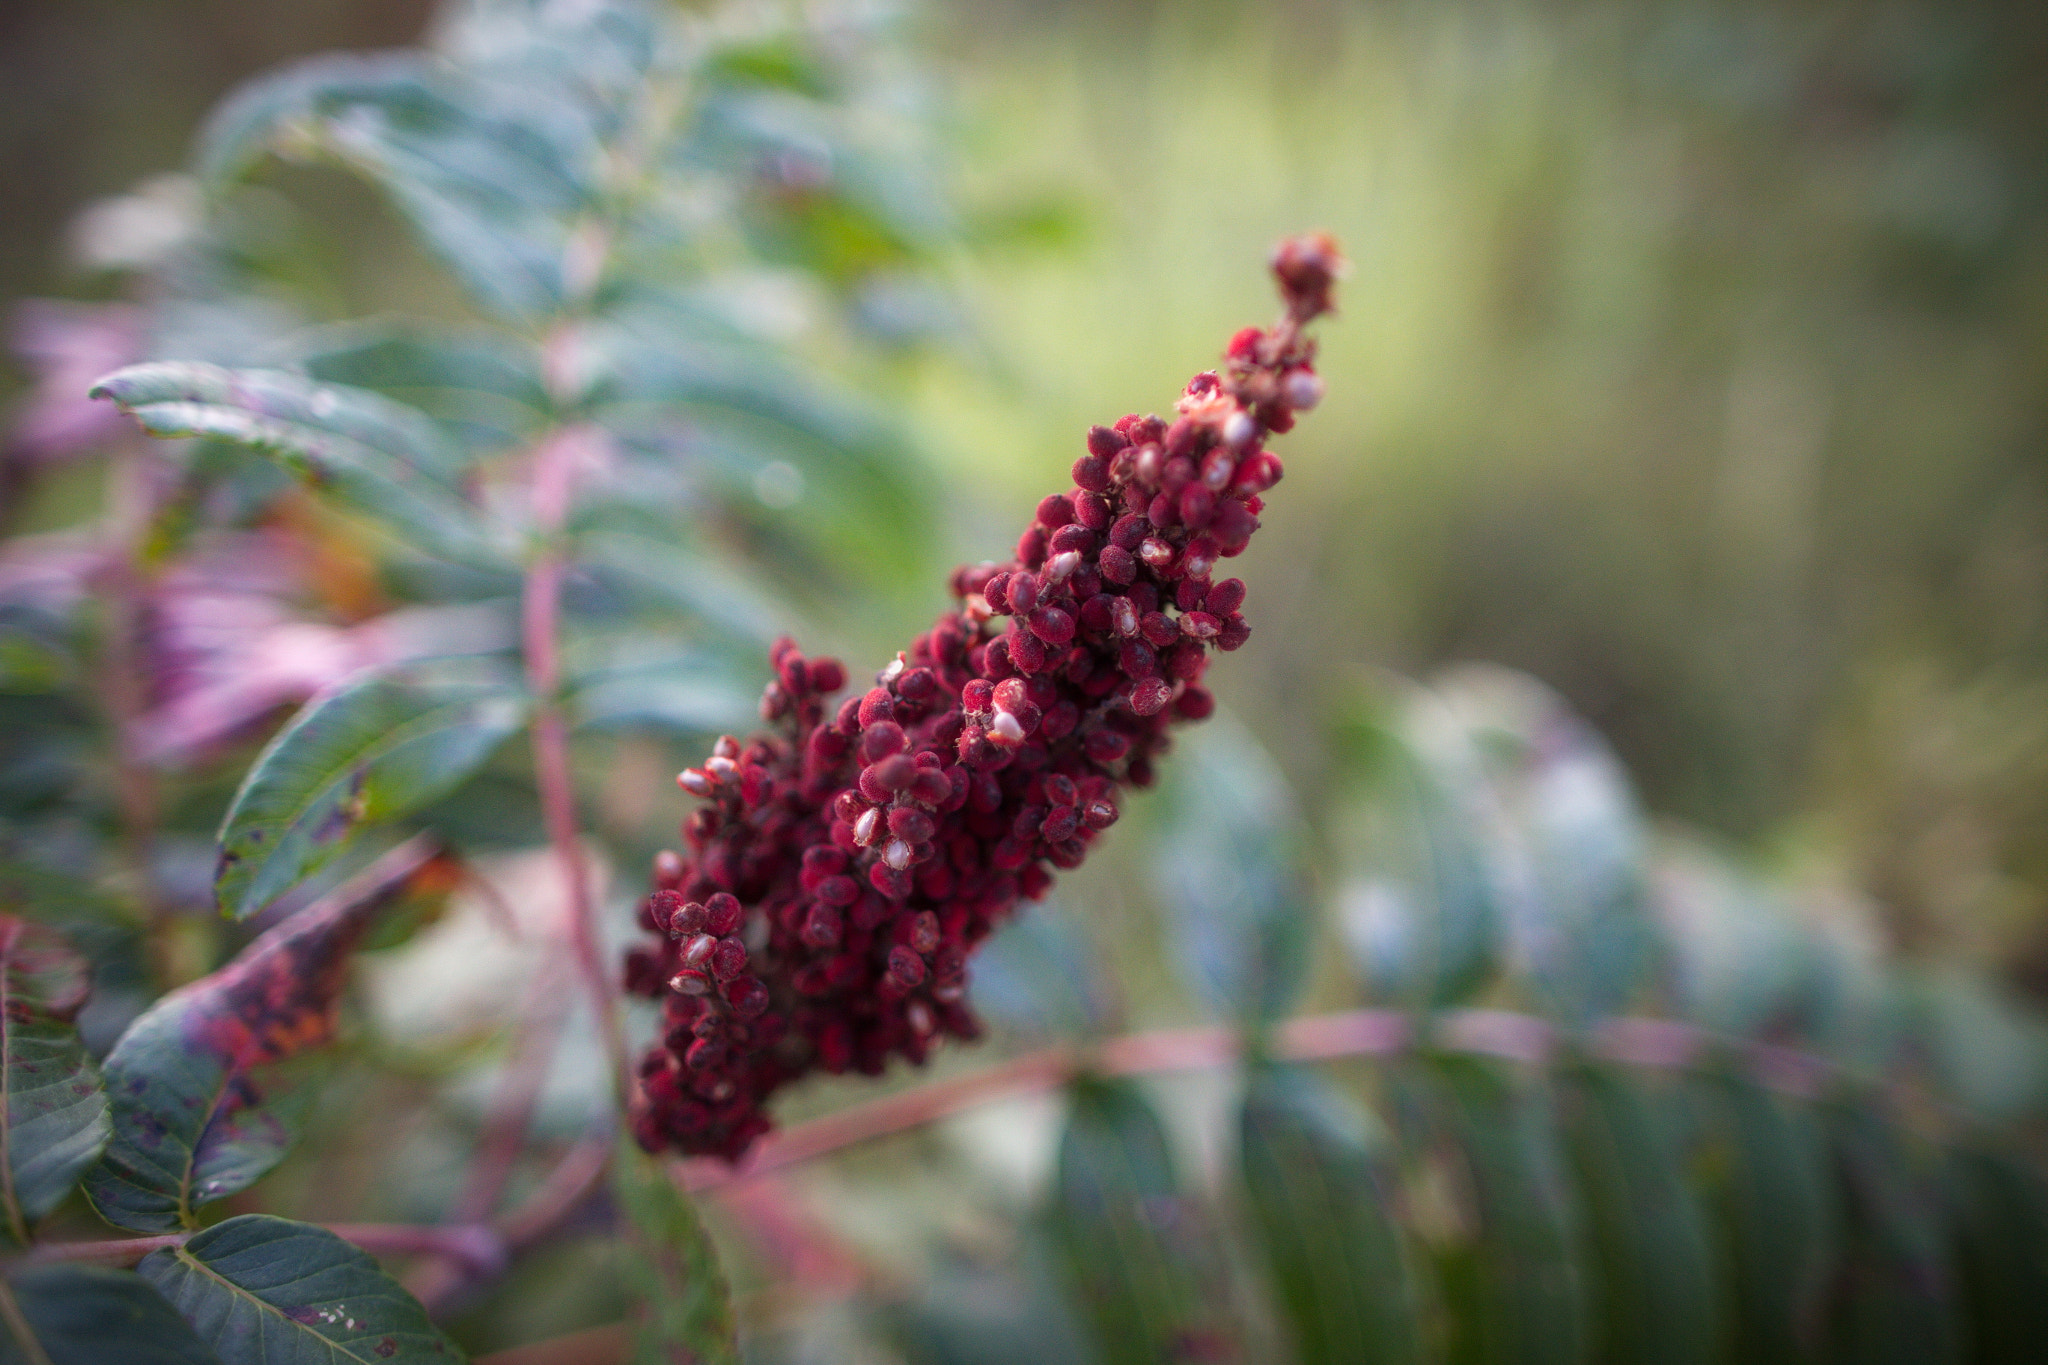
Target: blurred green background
(1694,358)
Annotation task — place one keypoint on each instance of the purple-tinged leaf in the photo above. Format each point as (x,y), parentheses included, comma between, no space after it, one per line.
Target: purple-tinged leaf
(193,1117)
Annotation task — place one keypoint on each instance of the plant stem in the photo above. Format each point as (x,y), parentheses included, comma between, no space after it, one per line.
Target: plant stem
(574,1179)
(476,1243)
(541,626)
(131,503)
(1656,1043)
(517,1094)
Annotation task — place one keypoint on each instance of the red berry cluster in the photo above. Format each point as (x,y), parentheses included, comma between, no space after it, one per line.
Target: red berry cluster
(845,864)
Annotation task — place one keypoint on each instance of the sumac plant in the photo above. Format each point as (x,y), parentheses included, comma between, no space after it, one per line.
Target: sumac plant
(324,1037)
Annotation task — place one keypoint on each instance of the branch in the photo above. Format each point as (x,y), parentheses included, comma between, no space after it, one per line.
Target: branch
(567,1187)
(516,1096)
(1657,1043)
(475,1244)
(541,622)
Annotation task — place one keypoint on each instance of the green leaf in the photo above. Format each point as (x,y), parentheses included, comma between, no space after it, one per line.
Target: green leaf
(1895,1298)
(1516,1289)
(1227,872)
(683,1308)
(489,188)
(268,1291)
(1583,924)
(699,586)
(2001,1218)
(1655,1296)
(636,679)
(1742,963)
(86,1315)
(53,1123)
(1415,829)
(1038,974)
(1319,1206)
(724,410)
(1130,1241)
(963,1313)
(478,387)
(1770,1186)
(374,456)
(194,1116)
(378,748)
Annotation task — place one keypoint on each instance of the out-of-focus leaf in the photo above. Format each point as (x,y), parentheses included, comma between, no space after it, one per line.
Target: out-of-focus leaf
(479,387)
(683,1309)
(1771,1188)
(725,409)
(1582,923)
(1228,875)
(1517,1291)
(1414,830)
(30,664)
(268,1291)
(53,1123)
(1319,1207)
(638,681)
(1991,1055)
(376,457)
(1038,974)
(696,585)
(776,60)
(1895,1296)
(981,1315)
(1742,964)
(496,810)
(86,1315)
(1655,1284)
(490,191)
(2000,1210)
(375,750)
(838,204)
(192,1118)
(1129,1238)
